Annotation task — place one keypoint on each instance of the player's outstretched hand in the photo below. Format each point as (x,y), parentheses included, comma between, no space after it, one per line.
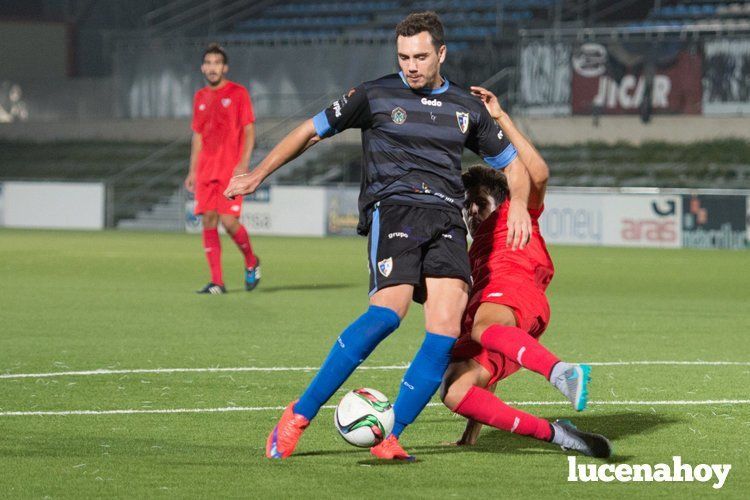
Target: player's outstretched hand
(519,226)
(490,100)
(190,182)
(244,184)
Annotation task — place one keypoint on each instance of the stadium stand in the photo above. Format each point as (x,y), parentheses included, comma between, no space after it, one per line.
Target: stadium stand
(482,34)
(466,21)
(689,13)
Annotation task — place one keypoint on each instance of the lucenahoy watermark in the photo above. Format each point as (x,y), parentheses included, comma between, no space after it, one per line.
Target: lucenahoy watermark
(625,473)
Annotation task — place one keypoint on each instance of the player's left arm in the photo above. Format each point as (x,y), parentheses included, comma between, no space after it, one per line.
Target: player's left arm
(246,116)
(488,141)
(519,220)
(290,147)
(352,110)
(535,164)
(247,150)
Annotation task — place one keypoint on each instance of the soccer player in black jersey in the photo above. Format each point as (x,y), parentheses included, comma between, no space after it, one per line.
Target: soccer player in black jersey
(415,125)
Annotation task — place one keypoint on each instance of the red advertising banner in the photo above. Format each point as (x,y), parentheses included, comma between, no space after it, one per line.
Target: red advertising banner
(636,78)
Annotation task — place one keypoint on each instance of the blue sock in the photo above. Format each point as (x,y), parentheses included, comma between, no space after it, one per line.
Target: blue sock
(422,379)
(350,350)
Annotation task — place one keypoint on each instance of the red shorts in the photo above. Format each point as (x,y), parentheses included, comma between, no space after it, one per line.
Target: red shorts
(531,309)
(209,197)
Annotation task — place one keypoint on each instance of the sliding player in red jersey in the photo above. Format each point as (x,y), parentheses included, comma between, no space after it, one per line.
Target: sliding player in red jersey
(508,310)
(223,140)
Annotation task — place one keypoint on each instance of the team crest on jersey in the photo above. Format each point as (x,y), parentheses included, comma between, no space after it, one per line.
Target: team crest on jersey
(202,107)
(386,266)
(398,115)
(226,102)
(463,121)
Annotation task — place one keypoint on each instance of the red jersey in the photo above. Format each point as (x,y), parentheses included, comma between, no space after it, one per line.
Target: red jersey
(513,279)
(220,116)
(492,260)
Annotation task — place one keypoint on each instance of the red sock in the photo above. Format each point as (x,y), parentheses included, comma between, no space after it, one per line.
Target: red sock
(483,406)
(519,346)
(212,245)
(243,243)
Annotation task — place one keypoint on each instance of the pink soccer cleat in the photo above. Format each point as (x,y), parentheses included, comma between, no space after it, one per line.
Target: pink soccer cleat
(284,437)
(390,449)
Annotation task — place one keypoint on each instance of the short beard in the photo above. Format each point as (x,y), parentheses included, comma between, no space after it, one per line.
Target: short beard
(216,83)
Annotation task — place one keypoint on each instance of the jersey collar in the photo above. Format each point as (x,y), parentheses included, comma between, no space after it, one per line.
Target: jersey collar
(438,90)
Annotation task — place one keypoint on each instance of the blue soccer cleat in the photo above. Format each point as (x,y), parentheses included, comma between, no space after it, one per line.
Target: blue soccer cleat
(573,381)
(252,276)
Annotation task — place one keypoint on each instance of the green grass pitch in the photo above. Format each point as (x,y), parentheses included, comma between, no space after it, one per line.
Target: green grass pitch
(72,301)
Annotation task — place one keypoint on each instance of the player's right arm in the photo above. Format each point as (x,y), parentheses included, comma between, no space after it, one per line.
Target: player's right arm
(535,164)
(350,111)
(196,144)
(290,147)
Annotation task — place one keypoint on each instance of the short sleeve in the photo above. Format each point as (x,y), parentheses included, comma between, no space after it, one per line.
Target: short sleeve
(197,123)
(487,140)
(247,115)
(352,110)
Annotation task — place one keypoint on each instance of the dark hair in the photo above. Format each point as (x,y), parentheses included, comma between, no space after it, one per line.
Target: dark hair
(483,178)
(417,22)
(215,48)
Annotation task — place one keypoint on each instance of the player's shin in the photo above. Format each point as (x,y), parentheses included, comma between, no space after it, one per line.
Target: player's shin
(519,346)
(212,246)
(242,240)
(483,406)
(348,352)
(422,379)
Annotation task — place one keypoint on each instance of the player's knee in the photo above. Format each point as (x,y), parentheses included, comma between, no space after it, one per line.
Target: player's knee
(210,220)
(477,330)
(453,393)
(443,323)
(397,299)
(480,327)
(231,224)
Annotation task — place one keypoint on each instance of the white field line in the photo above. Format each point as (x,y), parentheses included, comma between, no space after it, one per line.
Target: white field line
(186,370)
(279,408)
(88,373)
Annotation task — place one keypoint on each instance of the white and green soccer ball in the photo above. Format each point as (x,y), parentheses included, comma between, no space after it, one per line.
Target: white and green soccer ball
(364,417)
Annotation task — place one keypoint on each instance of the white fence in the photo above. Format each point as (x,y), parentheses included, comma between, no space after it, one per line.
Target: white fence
(52,205)
(662,218)
(647,218)
(572,216)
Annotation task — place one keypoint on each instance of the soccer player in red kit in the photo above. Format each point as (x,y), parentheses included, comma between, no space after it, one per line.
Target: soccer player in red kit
(508,310)
(223,140)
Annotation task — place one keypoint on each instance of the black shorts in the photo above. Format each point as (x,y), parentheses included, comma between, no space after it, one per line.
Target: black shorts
(409,243)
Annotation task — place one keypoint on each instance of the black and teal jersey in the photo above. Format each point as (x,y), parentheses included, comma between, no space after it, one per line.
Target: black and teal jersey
(412,141)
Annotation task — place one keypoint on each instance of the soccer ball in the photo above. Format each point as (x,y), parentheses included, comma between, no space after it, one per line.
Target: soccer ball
(364,417)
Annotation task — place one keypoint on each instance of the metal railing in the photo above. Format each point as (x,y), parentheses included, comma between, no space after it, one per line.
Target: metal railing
(137,170)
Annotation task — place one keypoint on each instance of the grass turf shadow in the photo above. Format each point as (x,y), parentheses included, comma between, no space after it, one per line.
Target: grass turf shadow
(613,426)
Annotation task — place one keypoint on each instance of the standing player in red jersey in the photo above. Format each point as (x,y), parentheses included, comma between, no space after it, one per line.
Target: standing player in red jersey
(508,310)
(223,140)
